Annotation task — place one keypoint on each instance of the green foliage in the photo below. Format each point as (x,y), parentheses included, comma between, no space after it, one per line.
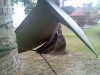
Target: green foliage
(62,4)
(28,4)
(25,2)
(12,2)
(68,9)
(88,8)
(29,7)
(97,8)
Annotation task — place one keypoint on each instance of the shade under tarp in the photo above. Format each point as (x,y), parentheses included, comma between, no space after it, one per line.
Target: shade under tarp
(41,23)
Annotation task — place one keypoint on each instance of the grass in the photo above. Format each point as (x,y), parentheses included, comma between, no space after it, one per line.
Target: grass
(74,43)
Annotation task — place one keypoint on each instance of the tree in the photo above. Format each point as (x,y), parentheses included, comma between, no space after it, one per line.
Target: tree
(60,46)
(9,60)
(97,8)
(62,3)
(87,7)
(68,9)
(29,7)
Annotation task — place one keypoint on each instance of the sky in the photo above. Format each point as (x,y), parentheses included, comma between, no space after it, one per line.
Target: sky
(19,15)
(79,2)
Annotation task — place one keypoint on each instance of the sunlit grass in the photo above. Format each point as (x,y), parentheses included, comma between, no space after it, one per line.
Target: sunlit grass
(74,43)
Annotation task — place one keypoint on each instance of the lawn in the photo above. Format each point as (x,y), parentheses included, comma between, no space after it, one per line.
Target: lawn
(74,43)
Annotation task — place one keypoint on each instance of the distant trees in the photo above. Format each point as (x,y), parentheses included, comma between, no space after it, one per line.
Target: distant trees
(68,9)
(62,3)
(97,8)
(28,4)
(87,7)
(29,7)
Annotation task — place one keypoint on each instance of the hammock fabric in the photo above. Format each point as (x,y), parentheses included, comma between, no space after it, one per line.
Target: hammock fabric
(41,23)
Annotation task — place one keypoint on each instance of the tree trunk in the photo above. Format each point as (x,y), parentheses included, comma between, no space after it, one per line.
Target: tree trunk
(9,60)
(62,4)
(60,46)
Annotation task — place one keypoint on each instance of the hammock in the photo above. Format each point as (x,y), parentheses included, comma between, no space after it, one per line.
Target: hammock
(40,24)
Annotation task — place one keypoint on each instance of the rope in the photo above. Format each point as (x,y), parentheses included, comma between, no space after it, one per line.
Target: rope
(48,64)
(6,50)
(44,59)
(5,53)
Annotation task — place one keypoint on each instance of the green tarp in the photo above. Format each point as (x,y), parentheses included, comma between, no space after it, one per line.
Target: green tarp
(41,23)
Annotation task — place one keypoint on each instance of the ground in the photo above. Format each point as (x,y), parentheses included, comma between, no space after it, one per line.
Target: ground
(73,63)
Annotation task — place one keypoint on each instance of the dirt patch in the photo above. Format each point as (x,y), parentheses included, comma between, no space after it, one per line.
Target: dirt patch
(74,63)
